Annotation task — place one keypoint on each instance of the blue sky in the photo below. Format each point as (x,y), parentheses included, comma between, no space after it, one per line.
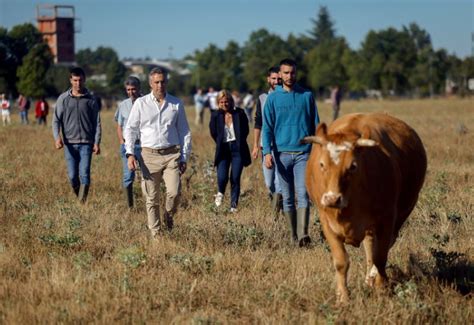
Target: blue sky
(164,28)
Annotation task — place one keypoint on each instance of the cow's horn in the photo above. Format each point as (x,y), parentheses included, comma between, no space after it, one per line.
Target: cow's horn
(312,139)
(365,143)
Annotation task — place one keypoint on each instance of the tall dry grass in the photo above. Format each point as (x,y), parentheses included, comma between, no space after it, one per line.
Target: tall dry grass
(62,262)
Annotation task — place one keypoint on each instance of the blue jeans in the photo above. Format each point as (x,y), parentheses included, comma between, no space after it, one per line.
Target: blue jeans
(78,160)
(231,158)
(129,175)
(291,168)
(272,181)
(24,116)
(248,112)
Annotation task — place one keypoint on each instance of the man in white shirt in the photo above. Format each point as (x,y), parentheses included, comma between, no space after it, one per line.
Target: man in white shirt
(212,98)
(159,121)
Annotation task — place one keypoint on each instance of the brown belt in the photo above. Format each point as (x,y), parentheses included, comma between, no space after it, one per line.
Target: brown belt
(164,151)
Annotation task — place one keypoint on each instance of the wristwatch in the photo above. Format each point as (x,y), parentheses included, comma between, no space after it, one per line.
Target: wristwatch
(128,155)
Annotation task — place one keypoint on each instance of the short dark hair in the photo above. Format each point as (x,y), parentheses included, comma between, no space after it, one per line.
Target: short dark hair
(289,62)
(158,70)
(132,81)
(77,71)
(273,69)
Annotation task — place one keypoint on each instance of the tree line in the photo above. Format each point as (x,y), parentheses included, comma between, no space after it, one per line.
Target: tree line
(394,62)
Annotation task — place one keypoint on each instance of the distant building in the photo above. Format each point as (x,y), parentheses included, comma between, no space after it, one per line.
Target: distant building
(56,23)
(140,68)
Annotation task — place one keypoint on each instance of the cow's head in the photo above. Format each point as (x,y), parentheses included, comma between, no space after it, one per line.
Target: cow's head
(336,161)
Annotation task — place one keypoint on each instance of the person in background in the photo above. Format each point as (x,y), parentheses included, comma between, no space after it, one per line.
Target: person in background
(270,175)
(23,107)
(248,103)
(211,98)
(336,97)
(229,127)
(159,121)
(41,111)
(5,107)
(76,127)
(132,88)
(237,99)
(199,104)
(289,115)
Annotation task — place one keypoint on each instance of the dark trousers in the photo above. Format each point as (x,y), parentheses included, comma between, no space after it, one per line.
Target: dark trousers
(230,158)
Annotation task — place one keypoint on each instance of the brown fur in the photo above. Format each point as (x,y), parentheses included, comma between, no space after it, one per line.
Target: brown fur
(376,186)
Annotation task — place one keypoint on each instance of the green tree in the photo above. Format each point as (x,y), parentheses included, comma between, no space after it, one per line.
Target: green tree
(460,71)
(325,65)
(260,52)
(354,67)
(440,66)
(468,67)
(115,74)
(102,61)
(232,67)
(23,38)
(209,67)
(299,46)
(421,78)
(57,80)
(323,27)
(84,59)
(14,45)
(32,73)
(420,37)
(7,62)
(388,57)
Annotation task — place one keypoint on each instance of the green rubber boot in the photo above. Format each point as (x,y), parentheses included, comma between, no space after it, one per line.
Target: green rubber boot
(302,217)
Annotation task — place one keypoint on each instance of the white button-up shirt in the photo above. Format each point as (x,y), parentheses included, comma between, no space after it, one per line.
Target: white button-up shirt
(158,126)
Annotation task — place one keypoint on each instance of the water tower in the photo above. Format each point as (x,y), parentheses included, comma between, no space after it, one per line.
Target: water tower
(56,23)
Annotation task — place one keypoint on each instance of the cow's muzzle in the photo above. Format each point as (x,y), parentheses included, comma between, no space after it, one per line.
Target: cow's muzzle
(333,200)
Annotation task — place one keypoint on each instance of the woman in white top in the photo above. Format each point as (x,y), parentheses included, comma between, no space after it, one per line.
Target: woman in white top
(229,127)
(5,108)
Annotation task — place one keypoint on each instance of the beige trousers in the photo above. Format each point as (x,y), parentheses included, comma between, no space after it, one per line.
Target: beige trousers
(157,167)
(6,119)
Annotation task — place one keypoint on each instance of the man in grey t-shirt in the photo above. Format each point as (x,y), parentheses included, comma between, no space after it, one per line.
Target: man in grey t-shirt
(76,127)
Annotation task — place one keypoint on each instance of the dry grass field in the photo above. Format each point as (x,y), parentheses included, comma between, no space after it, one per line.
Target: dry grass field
(63,262)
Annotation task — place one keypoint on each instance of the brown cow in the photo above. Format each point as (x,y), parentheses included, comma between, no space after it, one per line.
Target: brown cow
(364,173)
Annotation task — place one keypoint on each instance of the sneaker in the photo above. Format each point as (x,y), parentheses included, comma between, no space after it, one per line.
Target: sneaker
(233,210)
(219,197)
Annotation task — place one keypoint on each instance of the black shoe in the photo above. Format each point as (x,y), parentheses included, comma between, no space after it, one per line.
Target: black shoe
(168,221)
(305,241)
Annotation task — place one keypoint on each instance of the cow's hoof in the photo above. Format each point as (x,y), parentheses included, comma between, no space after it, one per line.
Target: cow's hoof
(371,276)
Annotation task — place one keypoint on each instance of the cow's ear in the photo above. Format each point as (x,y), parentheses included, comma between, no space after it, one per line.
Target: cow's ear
(322,131)
(319,138)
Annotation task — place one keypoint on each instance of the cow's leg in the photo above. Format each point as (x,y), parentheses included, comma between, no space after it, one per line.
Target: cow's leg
(369,257)
(380,261)
(340,260)
(382,242)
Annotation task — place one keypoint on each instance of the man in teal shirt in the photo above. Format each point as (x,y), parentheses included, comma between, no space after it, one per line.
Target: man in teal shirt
(290,114)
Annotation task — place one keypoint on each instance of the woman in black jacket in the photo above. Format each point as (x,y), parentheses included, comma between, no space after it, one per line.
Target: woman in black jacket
(229,128)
